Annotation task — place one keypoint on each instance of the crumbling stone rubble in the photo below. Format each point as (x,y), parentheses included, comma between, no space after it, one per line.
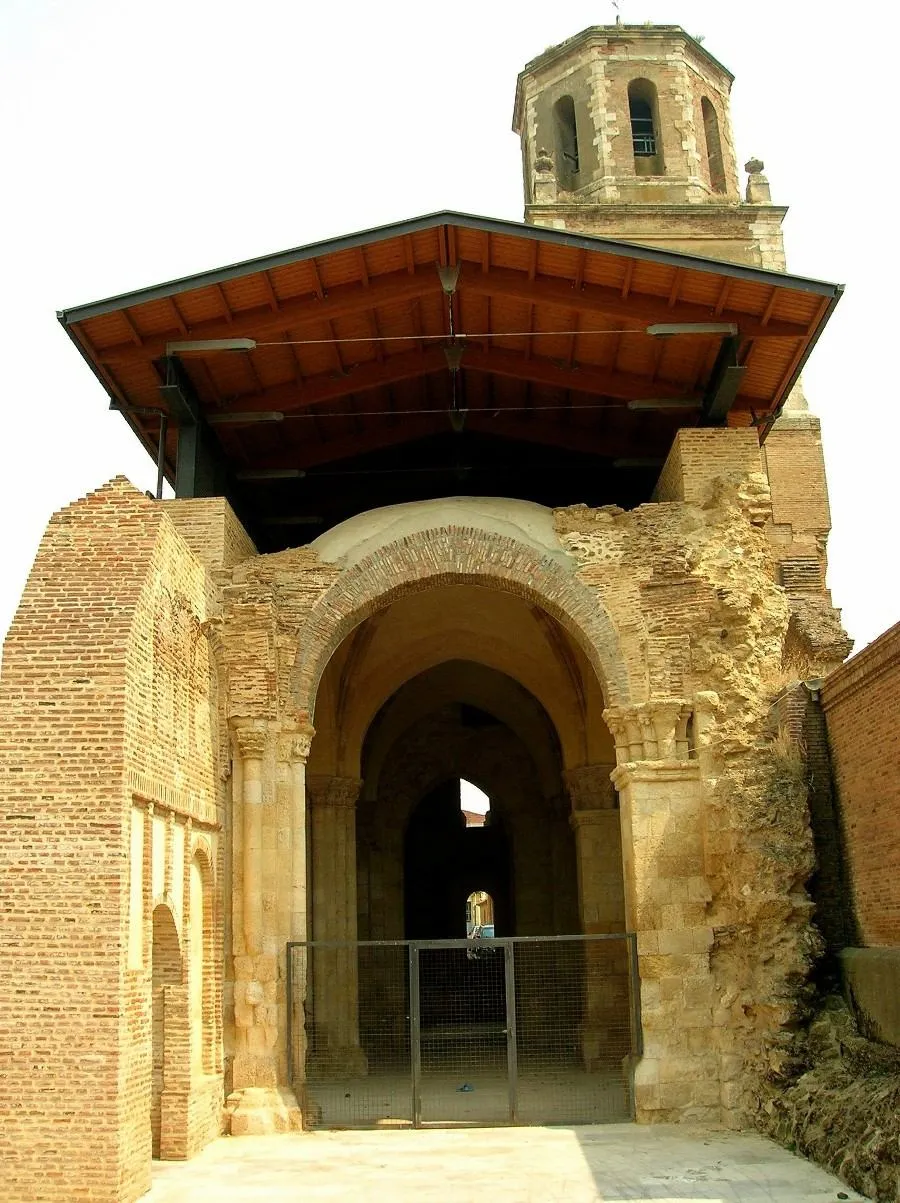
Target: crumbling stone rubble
(836,1099)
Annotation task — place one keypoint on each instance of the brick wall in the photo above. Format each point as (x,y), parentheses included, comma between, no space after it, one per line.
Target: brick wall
(108,780)
(698,457)
(63,859)
(211,529)
(862,702)
(799,715)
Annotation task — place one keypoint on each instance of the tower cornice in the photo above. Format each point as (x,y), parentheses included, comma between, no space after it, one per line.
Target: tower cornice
(612,33)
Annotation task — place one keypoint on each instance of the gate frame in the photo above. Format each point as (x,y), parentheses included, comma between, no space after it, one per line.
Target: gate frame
(414,1003)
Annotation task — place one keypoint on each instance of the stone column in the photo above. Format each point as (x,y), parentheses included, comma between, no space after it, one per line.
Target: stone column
(336,1050)
(666,893)
(601,906)
(293,754)
(259,1103)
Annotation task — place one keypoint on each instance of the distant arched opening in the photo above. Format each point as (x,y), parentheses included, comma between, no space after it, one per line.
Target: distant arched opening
(714,159)
(166,973)
(446,862)
(566,137)
(479,915)
(474,804)
(643,110)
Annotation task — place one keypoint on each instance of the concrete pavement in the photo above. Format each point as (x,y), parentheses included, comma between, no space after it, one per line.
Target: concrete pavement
(612,1163)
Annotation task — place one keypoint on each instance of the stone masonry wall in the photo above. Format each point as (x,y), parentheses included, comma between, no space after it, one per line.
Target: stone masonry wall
(691,611)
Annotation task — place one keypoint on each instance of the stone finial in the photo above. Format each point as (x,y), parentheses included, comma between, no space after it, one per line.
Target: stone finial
(758,190)
(544,186)
(543,161)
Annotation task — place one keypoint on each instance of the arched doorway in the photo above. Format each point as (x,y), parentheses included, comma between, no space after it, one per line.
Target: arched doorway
(458,682)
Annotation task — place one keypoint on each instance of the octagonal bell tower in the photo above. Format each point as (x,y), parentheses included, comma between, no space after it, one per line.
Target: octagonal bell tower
(626,132)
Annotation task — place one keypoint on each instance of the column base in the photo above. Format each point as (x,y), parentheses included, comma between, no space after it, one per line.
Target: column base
(348,1061)
(262,1111)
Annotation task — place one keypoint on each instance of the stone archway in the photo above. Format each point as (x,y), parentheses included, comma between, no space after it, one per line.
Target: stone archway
(458,555)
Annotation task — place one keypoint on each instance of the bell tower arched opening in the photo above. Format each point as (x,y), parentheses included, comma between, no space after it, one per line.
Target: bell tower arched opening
(643,111)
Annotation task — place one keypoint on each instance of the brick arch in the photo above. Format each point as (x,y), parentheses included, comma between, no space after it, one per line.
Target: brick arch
(457,555)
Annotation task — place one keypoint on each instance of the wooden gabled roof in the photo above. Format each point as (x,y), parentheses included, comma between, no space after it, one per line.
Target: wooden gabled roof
(351,345)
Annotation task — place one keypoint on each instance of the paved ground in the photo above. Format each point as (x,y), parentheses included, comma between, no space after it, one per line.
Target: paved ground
(612,1163)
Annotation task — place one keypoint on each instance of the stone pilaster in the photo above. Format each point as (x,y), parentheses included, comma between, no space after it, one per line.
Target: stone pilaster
(601,903)
(293,752)
(336,1048)
(259,1103)
(660,792)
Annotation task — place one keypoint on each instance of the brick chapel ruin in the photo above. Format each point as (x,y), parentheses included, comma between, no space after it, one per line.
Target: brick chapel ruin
(536,506)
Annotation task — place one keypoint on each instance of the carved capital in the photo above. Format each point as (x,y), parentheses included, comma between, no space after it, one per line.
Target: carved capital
(590,788)
(333,792)
(656,730)
(294,745)
(249,737)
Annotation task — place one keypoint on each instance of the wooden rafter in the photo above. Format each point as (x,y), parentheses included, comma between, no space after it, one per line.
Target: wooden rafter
(343,301)
(607,301)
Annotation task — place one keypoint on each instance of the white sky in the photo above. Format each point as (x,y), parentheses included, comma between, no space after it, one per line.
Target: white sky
(144,141)
(472,798)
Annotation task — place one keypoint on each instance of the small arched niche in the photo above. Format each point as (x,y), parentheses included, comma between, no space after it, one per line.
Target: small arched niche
(166,973)
(643,111)
(565,134)
(714,160)
(202,966)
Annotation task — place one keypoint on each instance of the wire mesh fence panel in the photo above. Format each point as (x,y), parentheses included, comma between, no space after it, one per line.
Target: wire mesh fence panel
(462,1062)
(574,1030)
(513,1030)
(356,1068)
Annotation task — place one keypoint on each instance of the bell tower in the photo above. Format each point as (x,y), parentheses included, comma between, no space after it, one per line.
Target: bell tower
(626,132)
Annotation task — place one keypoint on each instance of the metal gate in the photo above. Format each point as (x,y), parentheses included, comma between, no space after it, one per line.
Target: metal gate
(520,1030)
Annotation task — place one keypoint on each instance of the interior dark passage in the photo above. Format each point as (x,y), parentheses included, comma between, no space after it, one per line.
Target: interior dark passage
(417,860)
(445,861)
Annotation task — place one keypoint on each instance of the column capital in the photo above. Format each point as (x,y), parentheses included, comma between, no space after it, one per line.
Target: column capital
(590,788)
(654,730)
(333,792)
(294,744)
(249,737)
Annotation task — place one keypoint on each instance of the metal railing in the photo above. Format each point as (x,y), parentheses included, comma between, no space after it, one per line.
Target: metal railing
(512,1030)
